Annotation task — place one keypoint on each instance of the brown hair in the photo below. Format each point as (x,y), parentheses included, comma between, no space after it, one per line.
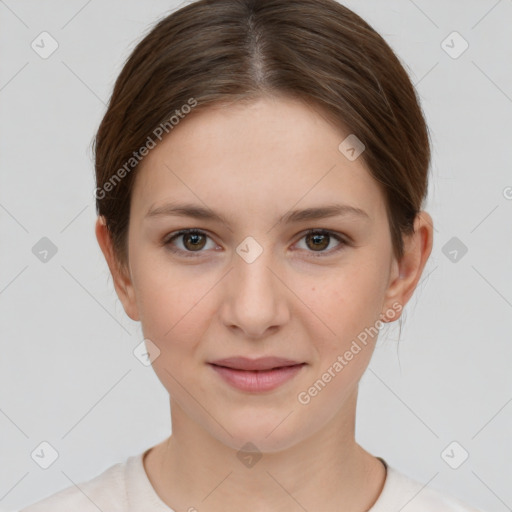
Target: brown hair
(221,51)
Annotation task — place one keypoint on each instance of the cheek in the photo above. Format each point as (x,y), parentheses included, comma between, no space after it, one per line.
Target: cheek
(350,299)
(171,304)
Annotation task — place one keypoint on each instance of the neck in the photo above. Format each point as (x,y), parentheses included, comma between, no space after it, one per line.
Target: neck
(194,470)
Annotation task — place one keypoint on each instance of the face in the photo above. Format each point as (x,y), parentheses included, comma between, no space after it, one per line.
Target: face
(256,282)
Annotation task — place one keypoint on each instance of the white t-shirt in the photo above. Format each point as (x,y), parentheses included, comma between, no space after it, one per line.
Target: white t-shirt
(125,487)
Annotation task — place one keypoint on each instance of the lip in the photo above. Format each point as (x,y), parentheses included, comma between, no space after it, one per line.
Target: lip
(261,363)
(256,375)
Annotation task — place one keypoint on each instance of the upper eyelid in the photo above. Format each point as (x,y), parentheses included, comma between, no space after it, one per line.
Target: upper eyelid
(182,232)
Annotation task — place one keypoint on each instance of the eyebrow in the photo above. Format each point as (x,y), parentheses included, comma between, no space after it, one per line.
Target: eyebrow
(199,212)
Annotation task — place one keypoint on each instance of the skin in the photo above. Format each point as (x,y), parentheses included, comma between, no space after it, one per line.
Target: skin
(252,163)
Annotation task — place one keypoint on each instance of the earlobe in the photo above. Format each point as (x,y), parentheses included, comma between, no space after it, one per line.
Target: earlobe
(120,275)
(407,272)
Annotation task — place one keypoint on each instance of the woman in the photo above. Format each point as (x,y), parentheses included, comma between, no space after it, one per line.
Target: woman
(261,171)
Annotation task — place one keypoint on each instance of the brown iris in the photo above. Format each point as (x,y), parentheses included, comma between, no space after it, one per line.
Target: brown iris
(197,241)
(320,240)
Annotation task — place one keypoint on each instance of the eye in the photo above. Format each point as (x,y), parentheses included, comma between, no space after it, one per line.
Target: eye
(320,239)
(193,240)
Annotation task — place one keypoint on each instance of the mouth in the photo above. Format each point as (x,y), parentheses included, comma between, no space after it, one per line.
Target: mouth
(256,375)
(260,364)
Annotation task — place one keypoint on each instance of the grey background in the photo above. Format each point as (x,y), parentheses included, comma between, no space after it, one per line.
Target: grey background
(67,372)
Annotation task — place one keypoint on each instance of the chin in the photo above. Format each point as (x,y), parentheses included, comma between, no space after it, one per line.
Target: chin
(266,434)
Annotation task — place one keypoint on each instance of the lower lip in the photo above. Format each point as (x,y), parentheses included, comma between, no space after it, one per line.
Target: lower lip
(257,381)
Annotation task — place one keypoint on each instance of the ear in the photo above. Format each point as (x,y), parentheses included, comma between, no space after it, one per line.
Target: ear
(120,275)
(406,273)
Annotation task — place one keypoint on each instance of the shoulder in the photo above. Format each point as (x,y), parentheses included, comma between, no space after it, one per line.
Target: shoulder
(403,493)
(106,491)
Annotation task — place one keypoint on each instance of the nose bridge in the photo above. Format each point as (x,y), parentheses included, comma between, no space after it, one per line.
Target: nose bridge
(252,276)
(255,299)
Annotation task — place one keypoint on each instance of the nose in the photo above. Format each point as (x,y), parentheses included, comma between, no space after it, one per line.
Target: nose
(254,297)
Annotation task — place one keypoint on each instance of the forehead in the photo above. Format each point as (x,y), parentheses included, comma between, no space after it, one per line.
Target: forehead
(263,156)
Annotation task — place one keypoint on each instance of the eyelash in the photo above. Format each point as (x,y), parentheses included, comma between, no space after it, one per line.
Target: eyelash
(194,254)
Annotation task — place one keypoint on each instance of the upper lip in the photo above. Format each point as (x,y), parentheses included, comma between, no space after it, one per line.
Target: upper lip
(261,363)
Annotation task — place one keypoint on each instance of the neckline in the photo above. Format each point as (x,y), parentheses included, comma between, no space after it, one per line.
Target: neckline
(139,489)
